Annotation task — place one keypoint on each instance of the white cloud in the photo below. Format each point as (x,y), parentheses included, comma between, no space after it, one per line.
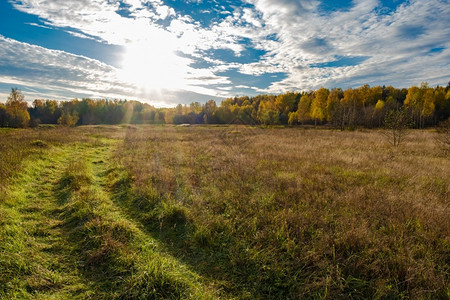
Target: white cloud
(397,43)
(39,67)
(295,34)
(65,75)
(39,25)
(151,60)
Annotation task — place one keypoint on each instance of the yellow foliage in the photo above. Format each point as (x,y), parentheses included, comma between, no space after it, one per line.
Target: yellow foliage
(379,105)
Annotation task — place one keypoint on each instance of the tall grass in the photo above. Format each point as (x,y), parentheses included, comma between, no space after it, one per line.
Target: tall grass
(224,212)
(296,213)
(115,253)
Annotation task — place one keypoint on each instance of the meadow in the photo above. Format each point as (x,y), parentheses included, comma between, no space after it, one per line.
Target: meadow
(209,212)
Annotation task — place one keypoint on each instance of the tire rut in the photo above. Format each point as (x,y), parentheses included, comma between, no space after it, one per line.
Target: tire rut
(49,264)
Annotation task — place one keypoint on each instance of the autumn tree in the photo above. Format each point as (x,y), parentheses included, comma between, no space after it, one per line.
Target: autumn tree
(16,109)
(209,111)
(365,106)
(68,119)
(351,105)
(442,104)
(292,118)
(304,108)
(420,101)
(382,107)
(169,116)
(319,105)
(428,104)
(195,107)
(368,98)
(268,113)
(286,103)
(334,108)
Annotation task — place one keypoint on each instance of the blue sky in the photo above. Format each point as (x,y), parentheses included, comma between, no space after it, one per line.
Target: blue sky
(167,51)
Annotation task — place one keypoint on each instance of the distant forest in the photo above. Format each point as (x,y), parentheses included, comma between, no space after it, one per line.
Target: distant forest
(361,107)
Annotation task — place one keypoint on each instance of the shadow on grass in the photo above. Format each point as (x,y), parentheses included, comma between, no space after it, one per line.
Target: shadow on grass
(106,245)
(220,257)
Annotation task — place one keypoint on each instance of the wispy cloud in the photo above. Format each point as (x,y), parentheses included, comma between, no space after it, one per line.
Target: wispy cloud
(39,25)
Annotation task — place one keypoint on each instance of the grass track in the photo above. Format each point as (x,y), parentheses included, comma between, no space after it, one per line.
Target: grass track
(40,258)
(63,238)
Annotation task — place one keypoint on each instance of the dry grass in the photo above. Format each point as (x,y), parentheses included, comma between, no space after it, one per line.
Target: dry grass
(293,212)
(239,212)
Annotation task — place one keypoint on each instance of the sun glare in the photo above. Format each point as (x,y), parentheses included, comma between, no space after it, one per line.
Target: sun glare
(153,66)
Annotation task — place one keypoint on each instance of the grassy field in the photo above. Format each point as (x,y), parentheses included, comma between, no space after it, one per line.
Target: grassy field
(208,212)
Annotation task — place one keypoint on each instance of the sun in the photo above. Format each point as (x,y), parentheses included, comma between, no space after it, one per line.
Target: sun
(153,66)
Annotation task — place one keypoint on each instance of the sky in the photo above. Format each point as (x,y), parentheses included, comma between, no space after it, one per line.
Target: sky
(166,52)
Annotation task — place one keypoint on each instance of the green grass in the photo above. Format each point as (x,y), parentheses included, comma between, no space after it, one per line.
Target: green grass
(124,261)
(62,237)
(151,212)
(36,259)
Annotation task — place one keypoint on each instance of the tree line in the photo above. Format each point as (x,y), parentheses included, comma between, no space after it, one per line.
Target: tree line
(365,106)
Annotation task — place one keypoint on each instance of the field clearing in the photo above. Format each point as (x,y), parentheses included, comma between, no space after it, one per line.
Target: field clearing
(222,212)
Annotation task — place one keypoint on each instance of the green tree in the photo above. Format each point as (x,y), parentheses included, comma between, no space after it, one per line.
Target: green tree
(224,113)
(245,114)
(47,111)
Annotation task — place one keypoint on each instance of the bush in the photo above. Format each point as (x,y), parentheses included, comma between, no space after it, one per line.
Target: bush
(39,143)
